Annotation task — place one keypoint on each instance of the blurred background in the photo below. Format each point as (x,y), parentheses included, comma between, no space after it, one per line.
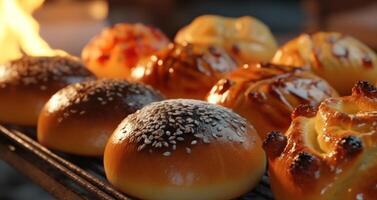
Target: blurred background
(69,25)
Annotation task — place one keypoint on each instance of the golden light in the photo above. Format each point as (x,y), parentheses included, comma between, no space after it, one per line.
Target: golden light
(98,10)
(19,31)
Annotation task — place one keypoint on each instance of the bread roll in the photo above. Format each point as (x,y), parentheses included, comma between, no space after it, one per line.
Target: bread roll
(81,117)
(184,149)
(27,83)
(340,59)
(184,71)
(245,38)
(266,94)
(116,50)
(328,153)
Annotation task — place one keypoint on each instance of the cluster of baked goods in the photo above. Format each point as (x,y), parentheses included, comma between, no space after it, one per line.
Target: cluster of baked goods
(228,86)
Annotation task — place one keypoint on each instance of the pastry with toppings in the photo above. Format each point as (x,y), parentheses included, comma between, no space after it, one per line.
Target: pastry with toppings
(80,118)
(329,152)
(184,71)
(266,94)
(26,85)
(245,38)
(117,49)
(184,149)
(340,59)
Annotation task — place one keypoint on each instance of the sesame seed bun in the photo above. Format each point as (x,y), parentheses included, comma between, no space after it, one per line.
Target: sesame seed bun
(27,83)
(80,118)
(184,149)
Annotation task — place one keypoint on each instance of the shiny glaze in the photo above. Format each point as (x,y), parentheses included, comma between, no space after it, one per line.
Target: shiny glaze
(340,59)
(184,71)
(246,38)
(117,49)
(79,118)
(266,94)
(195,149)
(331,152)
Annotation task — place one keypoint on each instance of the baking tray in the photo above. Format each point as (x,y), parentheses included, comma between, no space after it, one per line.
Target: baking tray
(72,177)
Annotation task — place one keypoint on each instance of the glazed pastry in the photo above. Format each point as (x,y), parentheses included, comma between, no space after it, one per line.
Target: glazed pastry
(184,71)
(266,94)
(340,59)
(184,149)
(27,83)
(117,49)
(246,38)
(327,153)
(81,117)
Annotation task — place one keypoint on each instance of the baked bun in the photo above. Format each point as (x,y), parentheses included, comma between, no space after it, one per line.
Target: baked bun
(27,83)
(81,117)
(339,59)
(266,94)
(246,38)
(329,153)
(115,51)
(184,149)
(184,71)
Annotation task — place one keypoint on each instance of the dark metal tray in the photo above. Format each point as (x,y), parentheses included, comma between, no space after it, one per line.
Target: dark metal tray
(71,177)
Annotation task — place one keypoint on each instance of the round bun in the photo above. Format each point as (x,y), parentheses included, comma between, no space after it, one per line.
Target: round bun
(117,49)
(81,117)
(339,59)
(184,149)
(329,153)
(27,83)
(184,71)
(246,38)
(266,94)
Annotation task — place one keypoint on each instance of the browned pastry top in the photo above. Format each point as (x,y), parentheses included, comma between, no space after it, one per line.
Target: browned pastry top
(183,71)
(338,58)
(269,91)
(195,149)
(100,97)
(45,73)
(331,151)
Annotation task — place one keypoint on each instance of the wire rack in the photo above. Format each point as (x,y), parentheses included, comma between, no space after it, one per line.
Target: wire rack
(72,177)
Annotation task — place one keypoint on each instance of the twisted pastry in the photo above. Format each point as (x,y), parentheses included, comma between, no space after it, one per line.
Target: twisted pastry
(340,59)
(184,71)
(266,94)
(246,38)
(329,153)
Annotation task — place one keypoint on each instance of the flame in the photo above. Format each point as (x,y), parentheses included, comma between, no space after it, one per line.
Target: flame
(19,31)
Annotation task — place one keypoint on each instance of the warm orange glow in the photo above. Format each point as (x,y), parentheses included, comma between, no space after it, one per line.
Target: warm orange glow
(19,31)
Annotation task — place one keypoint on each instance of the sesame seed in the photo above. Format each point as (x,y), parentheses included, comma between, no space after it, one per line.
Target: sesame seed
(167,124)
(167,153)
(141,147)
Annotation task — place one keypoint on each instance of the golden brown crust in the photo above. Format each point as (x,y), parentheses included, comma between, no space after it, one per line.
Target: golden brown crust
(332,152)
(246,38)
(184,149)
(184,71)
(117,49)
(266,94)
(27,83)
(79,118)
(340,59)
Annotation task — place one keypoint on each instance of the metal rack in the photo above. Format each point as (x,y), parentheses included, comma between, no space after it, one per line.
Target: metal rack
(71,177)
